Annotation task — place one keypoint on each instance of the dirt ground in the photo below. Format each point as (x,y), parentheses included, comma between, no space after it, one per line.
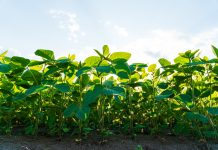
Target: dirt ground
(117,142)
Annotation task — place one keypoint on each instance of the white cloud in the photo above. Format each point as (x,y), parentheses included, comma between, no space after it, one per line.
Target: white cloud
(68,21)
(168,43)
(121,31)
(115,29)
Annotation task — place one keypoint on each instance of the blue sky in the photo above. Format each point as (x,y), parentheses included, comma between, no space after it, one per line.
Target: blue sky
(149,29)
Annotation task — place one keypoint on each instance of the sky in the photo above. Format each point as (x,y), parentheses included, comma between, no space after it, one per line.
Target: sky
(149,29)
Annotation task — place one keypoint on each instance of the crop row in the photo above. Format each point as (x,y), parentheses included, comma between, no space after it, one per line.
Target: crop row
(105,93)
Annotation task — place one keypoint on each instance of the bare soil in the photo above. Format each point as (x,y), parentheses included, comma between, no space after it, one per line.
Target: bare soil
(117,142)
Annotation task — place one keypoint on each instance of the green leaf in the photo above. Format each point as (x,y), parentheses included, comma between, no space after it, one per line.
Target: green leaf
(152,68)
(165,94)
(35,89)
(215,70)
(92,61)
(114,91)
(120,57)
(138,66)
(197,116)
(5,68)
(196,63)
(185,98)
(70,110)
(83,70)
(213,110)
(181,60)
(135,77)
(47,54)
(85,80)
(62,87)
(215,50)
(31,75)
(51,70)
(106,50)
(82,112)
(162,85)
(164,62)
(79,111)
(20,60)
(35,63)
(122,67)
(92,95)
(123,75)
(104,69)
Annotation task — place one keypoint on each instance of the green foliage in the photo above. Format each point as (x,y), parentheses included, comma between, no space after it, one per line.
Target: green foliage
(120,57)
(4,68)
(105,93)
(46,54)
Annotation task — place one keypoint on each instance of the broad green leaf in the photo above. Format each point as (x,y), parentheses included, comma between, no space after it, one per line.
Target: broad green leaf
(108,83)
(31,75)
(152,68)
(5,68)
(51,70)
(83,70)
(139,65)
(92,95)
(82,112)
(162,85)
(35,89)
(215,50)
(85,80)
(197,116)
(114,91)
(120,57)
(196,63)
(62,87)
(135,77)
(164,62)
(62,60)
(165,94)
(104,69)
(47,54)
(215,70)
(213,110)
(35,63)
(122,67)
(123,75)
(92,61)
(214,60)
(48,82)
(106,50)
(181,60)
(184,98)
(70,110)
(20,60)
